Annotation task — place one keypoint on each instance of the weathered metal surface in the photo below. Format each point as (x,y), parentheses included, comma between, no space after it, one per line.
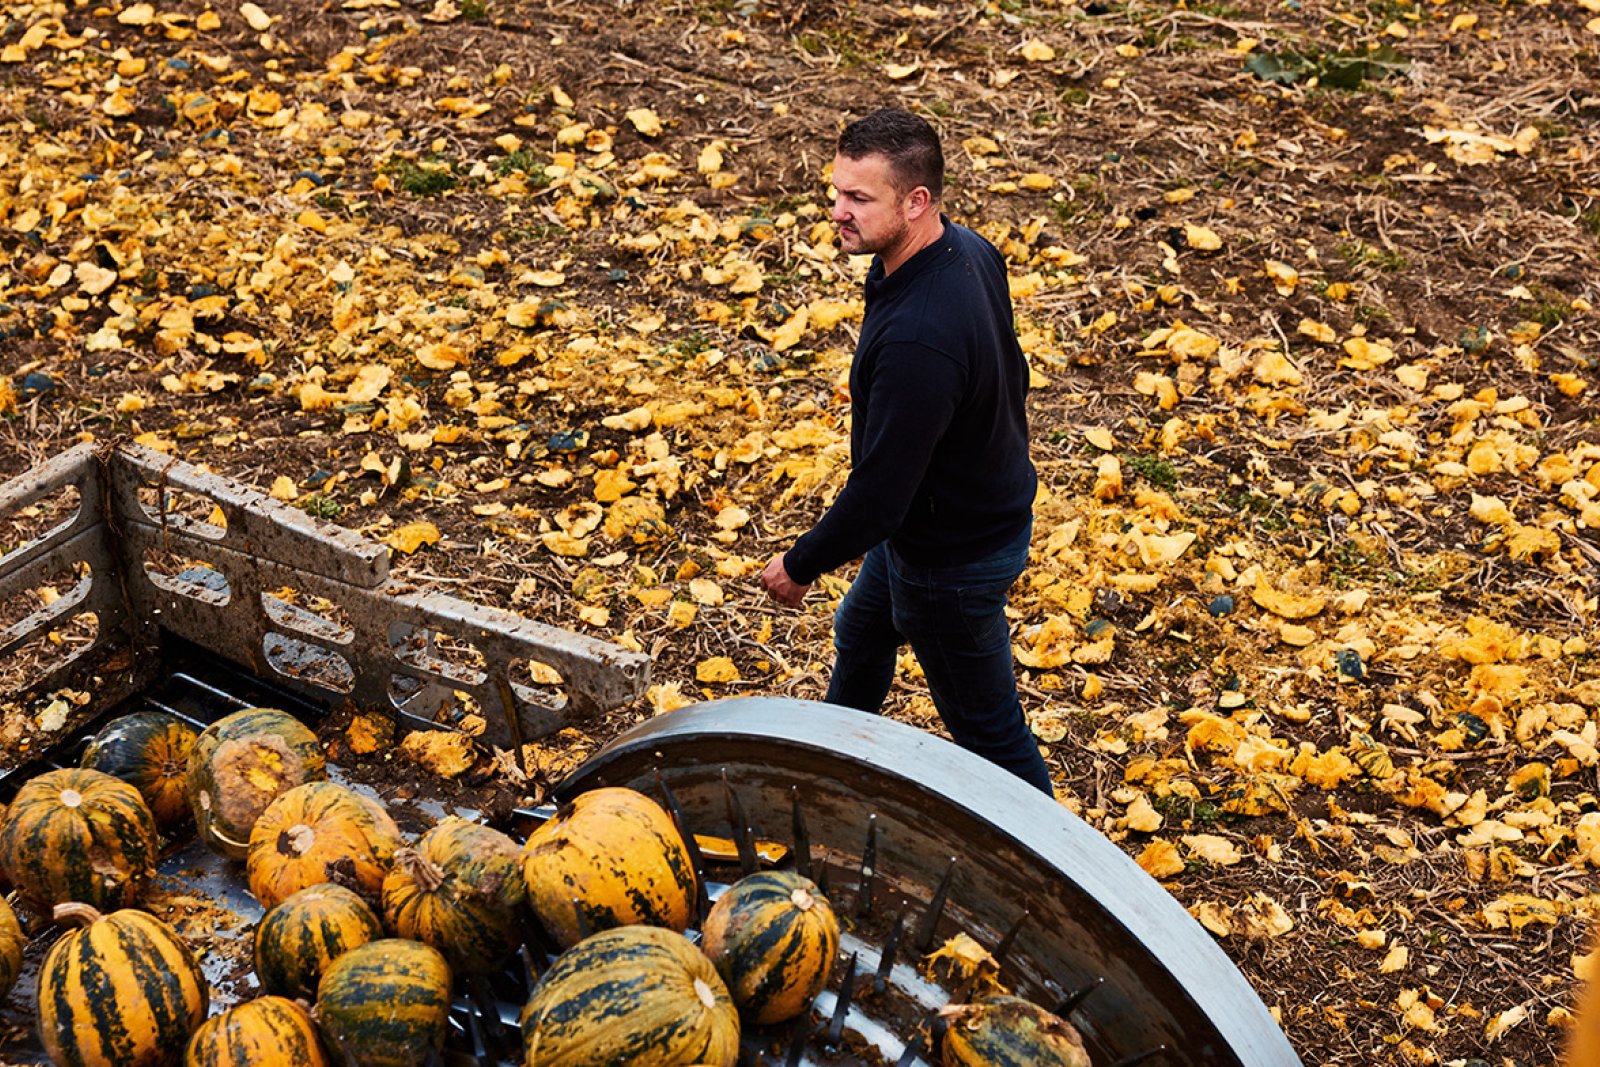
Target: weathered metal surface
(80,541)
(1093,913)
(76,467)
(157,571)
(257,525)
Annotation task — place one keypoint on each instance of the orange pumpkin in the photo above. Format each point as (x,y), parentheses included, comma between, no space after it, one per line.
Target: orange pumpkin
(239,765)
(122,990)
(611,858)
(297,940)
(461,891)
(1005,1029)
(773,937)
(150,751)
(385,1004)
(632,995)
(265,1032)
(78,835)
(12,943)
(320,832)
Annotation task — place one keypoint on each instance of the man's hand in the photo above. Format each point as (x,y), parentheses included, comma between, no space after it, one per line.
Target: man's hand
(776,581)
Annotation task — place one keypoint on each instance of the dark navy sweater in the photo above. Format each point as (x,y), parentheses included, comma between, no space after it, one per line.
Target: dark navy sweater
(939,431)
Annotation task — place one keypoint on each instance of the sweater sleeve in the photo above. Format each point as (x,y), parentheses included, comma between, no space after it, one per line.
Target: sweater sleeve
(915,392)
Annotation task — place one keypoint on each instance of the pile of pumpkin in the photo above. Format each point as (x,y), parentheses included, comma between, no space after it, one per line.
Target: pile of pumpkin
(364,936)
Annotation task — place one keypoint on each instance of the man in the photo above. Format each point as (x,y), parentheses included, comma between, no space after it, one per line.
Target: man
(940,492)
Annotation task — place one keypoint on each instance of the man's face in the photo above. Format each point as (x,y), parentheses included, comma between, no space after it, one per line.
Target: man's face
(868,211)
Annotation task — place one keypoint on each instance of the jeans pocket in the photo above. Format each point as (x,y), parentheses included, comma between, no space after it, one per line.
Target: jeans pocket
(983,610)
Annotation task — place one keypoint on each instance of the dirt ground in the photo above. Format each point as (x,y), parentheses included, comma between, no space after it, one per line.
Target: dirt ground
(1308,292)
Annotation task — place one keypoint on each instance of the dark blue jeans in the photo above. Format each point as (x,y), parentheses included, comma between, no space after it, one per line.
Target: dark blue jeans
(955,621)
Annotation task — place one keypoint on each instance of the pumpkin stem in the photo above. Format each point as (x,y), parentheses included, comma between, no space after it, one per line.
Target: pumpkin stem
(74,911)
(703,991)
(71,798)
(428,875)
(296,840)
(802,900)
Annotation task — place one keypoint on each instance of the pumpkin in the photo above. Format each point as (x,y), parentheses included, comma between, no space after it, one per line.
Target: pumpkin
(265,1032)
(1004,1029)
(611,858)
(634,995)
(12,942)
(461,891)
(296,940)
(320,832)
(78,835)
(122,990)
(773,937)
(385,1004)
(239,765)
(150,751)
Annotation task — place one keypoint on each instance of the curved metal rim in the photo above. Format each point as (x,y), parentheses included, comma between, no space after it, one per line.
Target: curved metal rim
(1033,823)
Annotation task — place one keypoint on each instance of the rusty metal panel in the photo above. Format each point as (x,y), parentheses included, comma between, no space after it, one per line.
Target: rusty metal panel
(257,525)
(78,467)
(222,600)
(154,569)
(108,664)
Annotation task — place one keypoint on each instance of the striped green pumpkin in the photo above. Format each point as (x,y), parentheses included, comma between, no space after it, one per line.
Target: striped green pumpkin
(123,990)
(265,1032)
(78,835)
(461,891)
(297,940)
(1004,1029)
(239,765)
(773,937)
(635,996)
(385,1004)
(614,856)
(150,751)
(12,943)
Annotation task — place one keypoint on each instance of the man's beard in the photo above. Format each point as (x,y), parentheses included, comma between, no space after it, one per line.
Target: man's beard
(882,242)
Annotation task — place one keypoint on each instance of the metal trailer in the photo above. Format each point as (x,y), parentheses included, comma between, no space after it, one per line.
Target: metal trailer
(193,594)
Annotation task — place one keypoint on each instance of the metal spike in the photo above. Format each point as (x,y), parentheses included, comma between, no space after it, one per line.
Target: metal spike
(1072,1000)
(891,945)
(743,835)
(1004,947)
(802,839)
(541,944)
(702,903)
(480,1042)
(935,1028)
(835,1033)
(968,986)
(913,1051)
(487,1035)
(869,860)
(1139,1057)
(930,921)
(530,971)
(799,1032)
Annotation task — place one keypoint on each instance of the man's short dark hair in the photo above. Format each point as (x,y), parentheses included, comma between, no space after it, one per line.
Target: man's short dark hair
(908,141)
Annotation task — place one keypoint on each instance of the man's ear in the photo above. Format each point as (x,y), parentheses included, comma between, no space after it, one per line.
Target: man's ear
(918,201)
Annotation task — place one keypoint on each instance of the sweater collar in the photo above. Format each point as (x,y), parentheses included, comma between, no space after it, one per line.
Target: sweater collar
(925,260)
